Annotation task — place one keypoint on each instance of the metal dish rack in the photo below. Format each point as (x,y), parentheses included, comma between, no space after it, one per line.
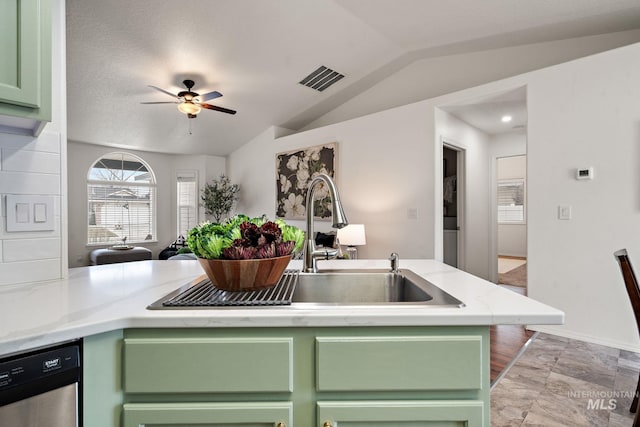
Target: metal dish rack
(204,294)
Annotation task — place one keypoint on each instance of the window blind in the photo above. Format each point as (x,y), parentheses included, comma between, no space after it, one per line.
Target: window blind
(121,196)
(187,198)
(511,201)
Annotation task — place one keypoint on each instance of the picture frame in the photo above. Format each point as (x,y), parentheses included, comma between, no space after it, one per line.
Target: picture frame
(294,172)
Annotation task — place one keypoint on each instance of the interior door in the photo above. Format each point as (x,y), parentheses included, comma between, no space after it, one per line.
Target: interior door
(453,204)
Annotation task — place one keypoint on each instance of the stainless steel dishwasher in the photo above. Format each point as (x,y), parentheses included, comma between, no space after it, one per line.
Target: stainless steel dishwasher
(41,388)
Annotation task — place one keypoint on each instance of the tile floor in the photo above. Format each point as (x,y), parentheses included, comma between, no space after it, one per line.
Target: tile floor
(560,382)
(506,264)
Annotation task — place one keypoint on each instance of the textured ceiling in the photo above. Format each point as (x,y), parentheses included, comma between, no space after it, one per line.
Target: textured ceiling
(255,51)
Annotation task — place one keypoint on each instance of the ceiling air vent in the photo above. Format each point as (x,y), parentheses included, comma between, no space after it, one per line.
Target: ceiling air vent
(321,78)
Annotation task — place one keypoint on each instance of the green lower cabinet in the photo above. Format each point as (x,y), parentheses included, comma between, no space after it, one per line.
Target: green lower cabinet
(261,414)
(303,377)
(102,395)
(439,413)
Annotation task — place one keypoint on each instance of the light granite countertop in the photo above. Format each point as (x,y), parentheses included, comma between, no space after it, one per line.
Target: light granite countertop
(102,298)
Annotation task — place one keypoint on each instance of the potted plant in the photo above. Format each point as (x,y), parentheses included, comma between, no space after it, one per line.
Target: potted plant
(218,197)
(243,253)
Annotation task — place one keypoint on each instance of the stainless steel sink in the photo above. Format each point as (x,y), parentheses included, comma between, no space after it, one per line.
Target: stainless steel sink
(328,288)
(369,287)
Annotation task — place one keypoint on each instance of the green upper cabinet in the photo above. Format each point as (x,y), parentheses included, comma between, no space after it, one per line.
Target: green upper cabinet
(25,69)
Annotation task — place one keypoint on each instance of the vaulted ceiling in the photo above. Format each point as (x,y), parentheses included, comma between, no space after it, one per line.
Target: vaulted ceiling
(255,52)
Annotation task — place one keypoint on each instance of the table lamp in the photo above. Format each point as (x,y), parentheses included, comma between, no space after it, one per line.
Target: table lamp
(352,235)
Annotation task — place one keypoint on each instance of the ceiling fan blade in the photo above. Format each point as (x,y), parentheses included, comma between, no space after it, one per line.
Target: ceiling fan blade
(164,91)
(161,102)
(210,95)
(221,109)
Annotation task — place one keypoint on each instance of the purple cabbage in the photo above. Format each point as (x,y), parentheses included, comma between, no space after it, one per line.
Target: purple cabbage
(259,242)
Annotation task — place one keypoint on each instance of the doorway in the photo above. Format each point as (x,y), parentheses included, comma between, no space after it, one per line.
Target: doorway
(511,219)
(452,205)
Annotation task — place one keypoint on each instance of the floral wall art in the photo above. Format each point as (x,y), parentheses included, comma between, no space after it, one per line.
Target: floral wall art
(294,172)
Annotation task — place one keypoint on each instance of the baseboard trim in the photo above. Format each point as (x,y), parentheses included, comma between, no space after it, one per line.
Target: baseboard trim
(584,337)
(522,258)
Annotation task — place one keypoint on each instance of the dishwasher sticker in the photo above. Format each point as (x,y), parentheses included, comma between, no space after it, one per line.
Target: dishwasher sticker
(51,364)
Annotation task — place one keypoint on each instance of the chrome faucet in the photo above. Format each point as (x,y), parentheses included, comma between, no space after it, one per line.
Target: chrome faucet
(395,259)
(311,253)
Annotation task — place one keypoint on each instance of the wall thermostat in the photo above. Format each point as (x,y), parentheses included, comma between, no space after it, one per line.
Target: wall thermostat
(584,173)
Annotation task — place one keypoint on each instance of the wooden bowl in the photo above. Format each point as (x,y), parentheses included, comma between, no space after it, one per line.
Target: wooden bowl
(245,274)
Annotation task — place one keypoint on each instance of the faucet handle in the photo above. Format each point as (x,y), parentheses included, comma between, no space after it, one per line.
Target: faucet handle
(395,260)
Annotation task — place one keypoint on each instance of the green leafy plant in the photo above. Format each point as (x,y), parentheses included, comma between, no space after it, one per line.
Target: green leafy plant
(242,237)
(218,197)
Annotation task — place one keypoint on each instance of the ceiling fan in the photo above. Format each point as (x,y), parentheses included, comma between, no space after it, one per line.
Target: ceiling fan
(191,103)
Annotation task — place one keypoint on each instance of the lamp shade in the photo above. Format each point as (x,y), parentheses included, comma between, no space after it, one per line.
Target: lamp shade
(352,235)
(189,107)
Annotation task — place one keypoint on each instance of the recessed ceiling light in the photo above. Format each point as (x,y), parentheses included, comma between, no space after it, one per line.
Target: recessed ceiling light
(506,119)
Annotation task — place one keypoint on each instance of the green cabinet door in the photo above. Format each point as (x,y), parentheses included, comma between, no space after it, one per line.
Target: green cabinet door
(245,414)
(25,68)
(400,362)
(433,413)
(208,365)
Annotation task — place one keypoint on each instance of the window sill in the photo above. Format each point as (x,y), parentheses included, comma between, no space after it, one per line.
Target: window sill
(106,245)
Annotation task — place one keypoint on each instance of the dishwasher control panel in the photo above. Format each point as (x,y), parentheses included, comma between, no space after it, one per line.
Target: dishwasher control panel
(40,366)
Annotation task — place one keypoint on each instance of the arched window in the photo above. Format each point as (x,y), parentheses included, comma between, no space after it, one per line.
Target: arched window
(121,192)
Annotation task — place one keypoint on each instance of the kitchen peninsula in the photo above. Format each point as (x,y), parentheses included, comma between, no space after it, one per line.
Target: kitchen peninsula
(294,365)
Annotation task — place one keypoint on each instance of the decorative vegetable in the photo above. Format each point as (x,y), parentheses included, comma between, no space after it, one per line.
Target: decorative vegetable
(242,237)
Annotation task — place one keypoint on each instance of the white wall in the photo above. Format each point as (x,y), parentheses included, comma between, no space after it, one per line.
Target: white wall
(165,166)
(582,113)
(384,170)
(585,113)
(512,238)
(35,166)
(438,74)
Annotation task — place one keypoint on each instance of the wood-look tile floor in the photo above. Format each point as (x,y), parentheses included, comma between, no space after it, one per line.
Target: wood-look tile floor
(506,341)
(563,382)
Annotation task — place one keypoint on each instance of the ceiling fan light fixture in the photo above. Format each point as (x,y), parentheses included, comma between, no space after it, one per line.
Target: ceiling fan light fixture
(191,103)
(189,107)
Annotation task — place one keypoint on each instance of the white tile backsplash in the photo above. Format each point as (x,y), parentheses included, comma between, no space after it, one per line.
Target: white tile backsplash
(30,249)
(29,161)
(29,271)
(48,142)
(30,166)
(29,183)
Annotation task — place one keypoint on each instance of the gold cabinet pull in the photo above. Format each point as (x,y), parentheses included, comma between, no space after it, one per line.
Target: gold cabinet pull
(281,425)
(327,424)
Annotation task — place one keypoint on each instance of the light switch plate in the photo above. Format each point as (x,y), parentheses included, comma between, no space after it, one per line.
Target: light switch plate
(564,212)
(29,213)
(40,212)
(22,213)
